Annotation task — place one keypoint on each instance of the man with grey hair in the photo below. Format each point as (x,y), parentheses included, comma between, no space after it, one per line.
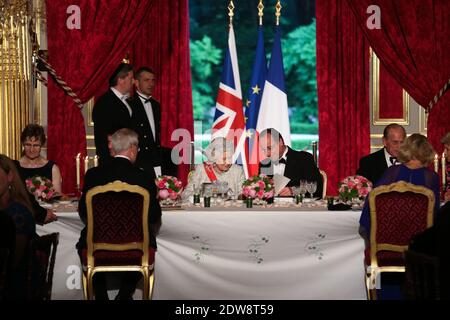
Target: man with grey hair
(124,146)
(219,167)
(375,164)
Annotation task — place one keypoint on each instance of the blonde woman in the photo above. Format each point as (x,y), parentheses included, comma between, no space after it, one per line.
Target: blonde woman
(415,155)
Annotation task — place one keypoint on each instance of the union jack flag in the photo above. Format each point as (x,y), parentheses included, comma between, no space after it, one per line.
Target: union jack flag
(229,120)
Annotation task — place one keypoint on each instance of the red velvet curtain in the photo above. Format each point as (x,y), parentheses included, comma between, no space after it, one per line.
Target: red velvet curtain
(413,44)
(343,91)
(85,59)
(162,43)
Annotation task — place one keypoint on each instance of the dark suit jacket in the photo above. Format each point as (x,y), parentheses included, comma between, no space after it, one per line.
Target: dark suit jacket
(119,169)
(109,115)
(373,166)
(300,165)
(151,153)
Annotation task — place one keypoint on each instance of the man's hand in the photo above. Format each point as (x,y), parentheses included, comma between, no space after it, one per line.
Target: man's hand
(285,192)
(50,217)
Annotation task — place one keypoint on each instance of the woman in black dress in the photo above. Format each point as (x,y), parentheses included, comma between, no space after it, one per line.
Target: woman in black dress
(32,163)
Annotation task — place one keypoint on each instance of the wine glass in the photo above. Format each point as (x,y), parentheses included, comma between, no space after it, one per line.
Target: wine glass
(313,188)
(309,187)
(197,190)
(230,194)
(303,188)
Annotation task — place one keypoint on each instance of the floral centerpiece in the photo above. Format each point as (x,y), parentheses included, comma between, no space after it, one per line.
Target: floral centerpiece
(169,189)
(354,187)
(258,187)
(41,187)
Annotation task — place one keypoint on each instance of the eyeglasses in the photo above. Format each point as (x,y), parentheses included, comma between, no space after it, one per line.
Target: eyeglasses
(29,145)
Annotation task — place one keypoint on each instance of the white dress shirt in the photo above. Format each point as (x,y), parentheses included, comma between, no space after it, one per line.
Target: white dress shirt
(387,155)
(278,168)
(123,98)
(148,111)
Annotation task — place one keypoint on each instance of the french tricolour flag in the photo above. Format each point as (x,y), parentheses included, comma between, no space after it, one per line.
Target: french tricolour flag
(229,117)
(273,112)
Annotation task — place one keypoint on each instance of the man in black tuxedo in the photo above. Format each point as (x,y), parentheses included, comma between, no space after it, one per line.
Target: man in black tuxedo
(146,121)
(374,165)
(111,111)
(124,144)
(281,159)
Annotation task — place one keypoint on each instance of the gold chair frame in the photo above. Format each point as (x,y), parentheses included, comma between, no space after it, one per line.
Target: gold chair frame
(325,182)
(374,270)
(144,267)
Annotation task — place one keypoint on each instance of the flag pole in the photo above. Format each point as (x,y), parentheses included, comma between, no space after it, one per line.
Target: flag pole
(278,12)
(231,11)
(260,12)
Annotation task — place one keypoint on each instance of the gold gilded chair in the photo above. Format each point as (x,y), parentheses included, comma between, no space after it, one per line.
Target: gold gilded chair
(397,212)
(118,234)
(325,182)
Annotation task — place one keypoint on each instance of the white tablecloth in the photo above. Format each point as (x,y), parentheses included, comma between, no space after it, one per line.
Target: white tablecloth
(246,254)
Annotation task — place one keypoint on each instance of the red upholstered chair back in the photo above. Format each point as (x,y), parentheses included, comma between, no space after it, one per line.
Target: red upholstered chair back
(117,227)
(400,216)
(117,217)
(398,212)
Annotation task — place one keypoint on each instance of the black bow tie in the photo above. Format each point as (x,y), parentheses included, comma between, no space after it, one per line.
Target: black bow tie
(145,99)
(393,160)
(282,160)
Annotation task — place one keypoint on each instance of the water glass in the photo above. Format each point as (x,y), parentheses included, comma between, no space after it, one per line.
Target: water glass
(330,201)
(196,194)
(207,202)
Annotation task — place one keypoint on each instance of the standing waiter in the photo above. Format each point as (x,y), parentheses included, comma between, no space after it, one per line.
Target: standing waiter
(146,121)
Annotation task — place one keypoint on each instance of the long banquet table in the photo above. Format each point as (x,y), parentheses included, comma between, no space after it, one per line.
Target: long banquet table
(238,254)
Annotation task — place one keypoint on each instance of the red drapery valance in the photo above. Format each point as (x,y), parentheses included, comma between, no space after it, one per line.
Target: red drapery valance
(86,58)
(342,84)
(413,44)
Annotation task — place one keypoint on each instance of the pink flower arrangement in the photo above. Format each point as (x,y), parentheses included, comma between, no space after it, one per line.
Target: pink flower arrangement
(260,187)
(354,187)
(168,187)
(40,187)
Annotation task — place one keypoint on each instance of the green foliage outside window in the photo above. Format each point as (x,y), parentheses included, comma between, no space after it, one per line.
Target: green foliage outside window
(208,41)
(204,55)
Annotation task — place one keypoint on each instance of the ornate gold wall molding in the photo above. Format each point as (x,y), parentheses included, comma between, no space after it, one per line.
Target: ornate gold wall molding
(17,18)
(376,120)
(15,71)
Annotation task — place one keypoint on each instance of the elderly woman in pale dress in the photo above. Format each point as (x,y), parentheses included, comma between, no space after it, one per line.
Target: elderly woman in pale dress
(218,168)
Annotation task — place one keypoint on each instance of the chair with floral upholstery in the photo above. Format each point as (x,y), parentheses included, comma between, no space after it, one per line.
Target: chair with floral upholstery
(397,212)
(118,234)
